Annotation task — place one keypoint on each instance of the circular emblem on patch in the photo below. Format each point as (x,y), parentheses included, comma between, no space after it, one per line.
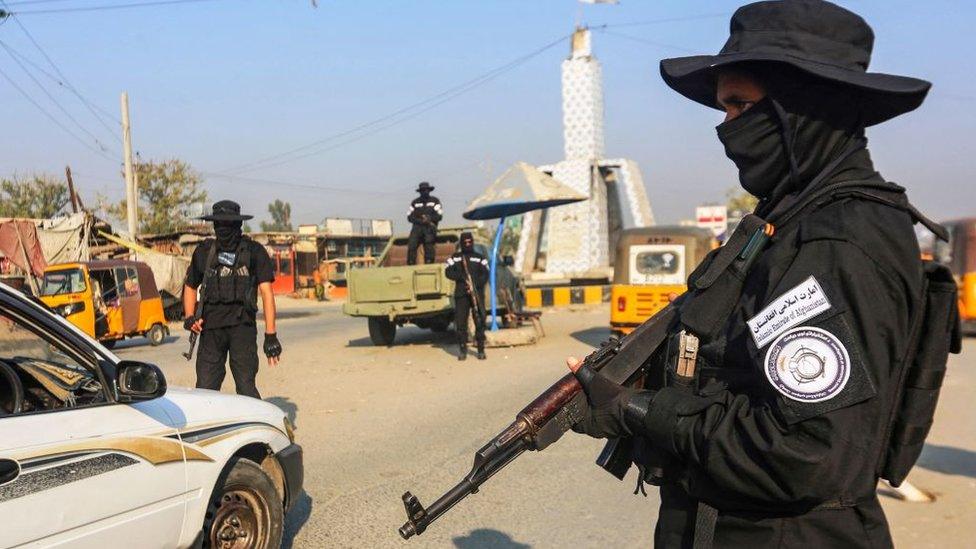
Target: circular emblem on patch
(808,364)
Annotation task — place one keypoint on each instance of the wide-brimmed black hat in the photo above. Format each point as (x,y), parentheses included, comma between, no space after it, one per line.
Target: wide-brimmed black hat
(817,37)
(226,210)
(424,186)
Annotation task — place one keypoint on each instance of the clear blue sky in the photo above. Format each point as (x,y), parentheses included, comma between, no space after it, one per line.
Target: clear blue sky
(224,82)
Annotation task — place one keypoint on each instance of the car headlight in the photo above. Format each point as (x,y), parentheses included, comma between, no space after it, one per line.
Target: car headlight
(69,309)
(290,429)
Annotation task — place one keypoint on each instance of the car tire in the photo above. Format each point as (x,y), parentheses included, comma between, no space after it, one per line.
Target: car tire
(156,334)
(382,331)
(245,510)
(109,343)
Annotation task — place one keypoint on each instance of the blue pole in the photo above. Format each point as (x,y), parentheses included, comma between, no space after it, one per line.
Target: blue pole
(494,274)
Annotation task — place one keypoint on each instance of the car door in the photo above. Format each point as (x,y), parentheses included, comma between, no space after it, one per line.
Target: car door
(95,474)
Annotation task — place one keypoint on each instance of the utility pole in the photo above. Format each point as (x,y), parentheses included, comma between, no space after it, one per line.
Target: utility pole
(131,200)
(71,190)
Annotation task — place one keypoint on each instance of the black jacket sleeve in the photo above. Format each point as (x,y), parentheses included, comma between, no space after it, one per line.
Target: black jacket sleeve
(435,212)
(454,270)
(764,448)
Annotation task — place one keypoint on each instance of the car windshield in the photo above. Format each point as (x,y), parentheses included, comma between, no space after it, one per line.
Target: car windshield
(665,262)
(64,281)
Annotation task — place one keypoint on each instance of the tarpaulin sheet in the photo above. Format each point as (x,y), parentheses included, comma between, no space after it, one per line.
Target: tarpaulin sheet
(20,245)
(65,239)
(168,270)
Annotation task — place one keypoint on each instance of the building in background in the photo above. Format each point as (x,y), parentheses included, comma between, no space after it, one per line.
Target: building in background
(577,241)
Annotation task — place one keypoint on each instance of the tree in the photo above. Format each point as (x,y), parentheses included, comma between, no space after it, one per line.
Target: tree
(36,196)
(739,200)
(166,190)
(280,218)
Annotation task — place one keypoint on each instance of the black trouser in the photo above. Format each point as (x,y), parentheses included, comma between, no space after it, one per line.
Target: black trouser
(241,342)
(421,233)
(463,308)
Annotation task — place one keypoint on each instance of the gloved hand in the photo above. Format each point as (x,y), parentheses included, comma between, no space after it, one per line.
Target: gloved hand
(272,347)
(607,414)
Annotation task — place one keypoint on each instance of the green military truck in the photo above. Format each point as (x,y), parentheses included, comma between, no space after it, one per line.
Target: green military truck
(393,293)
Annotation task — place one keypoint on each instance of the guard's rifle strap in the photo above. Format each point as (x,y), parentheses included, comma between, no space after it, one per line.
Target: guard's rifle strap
(201,292)
(479,317)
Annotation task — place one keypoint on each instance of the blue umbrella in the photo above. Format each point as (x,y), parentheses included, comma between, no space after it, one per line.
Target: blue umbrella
(522,188)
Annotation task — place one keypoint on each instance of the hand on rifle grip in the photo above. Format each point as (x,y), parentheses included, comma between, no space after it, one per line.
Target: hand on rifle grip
(606,402)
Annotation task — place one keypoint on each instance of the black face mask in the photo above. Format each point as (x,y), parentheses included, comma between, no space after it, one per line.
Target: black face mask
(803,132)
(467,246)
(754,142)
(228,234)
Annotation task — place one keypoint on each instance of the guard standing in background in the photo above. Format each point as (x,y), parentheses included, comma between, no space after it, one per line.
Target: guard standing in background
(230,270)
(425,214)
(783,405)
(469,271)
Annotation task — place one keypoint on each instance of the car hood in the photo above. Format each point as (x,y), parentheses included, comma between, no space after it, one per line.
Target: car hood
(194,408)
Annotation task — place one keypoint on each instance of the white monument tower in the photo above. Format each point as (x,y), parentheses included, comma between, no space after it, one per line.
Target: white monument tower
(575,241)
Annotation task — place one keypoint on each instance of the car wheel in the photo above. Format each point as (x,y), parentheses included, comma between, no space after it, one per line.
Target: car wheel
(245,511)
(156,334)
(382,331)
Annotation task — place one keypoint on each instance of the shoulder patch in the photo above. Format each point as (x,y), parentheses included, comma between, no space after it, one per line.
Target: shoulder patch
(808,364)
(794,307)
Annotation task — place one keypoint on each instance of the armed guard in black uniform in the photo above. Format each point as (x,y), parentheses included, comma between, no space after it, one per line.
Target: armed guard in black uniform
(230,272)
(469,271)
(807,355)
(424,215)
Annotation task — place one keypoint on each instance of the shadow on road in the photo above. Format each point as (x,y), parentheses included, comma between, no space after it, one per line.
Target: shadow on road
(287,406)
(484,538)
(296,519)
(592,336)
(948,460)
(411,335)
(141,342)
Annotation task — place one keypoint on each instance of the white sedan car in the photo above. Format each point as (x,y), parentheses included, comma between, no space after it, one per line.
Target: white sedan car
(98,452)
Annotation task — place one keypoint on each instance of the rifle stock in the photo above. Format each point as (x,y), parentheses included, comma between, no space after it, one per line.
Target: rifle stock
(546,418)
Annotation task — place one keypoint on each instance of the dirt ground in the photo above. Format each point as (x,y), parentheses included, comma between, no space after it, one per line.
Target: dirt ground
(376,422)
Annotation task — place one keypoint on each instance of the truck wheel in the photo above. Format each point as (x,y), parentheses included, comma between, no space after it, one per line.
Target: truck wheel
(156,334)
(245,511)
(382,331)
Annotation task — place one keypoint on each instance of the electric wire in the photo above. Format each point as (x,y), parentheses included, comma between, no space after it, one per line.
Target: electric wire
(106,7)
(644,41)
(62,80)
(54,100)
(53,119)
(394,118)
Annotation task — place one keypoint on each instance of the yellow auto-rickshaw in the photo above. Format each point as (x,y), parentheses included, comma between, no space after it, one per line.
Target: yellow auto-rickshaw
(109,300)
(960,255)
(651,265)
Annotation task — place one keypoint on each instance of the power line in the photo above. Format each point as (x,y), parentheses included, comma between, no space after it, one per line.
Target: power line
(397,117)
(105,7)
(646,42)
(663,20)
(52,118)
(54,100)
(62,80)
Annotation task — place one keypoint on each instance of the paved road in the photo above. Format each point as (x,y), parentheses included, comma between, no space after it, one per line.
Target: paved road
(376,422)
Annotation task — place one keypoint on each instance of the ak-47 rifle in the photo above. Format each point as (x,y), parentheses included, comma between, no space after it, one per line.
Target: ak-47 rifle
(548,417)
(640,355)
(479,313)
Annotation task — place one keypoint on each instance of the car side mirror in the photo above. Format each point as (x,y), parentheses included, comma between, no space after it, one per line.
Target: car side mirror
(508,260)
(139,381)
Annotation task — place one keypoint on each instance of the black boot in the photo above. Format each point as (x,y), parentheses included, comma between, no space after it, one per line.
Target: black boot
(462,351)
(481,351)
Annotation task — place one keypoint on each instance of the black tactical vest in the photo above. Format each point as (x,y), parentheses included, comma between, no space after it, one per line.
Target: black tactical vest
(229,279)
